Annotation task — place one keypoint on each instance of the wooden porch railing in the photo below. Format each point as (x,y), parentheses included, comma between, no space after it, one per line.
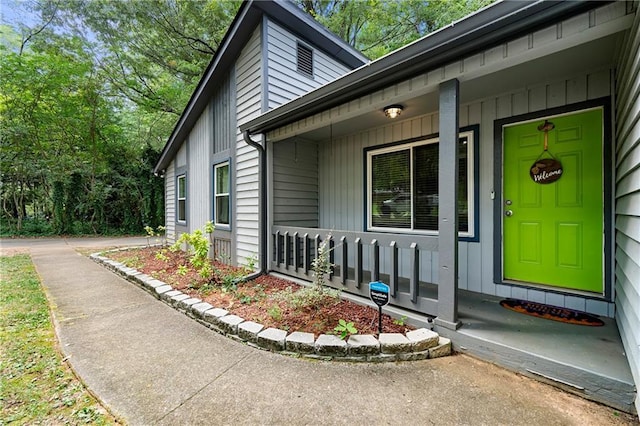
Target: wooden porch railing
(407,263)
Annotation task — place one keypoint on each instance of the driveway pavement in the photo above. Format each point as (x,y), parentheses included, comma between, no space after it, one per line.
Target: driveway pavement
(152,365)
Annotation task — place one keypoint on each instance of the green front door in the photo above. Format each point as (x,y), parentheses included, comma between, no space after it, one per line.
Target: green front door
(553,232)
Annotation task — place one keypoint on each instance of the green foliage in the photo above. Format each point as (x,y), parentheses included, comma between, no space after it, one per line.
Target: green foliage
(31,227)
(65,153)
(161,255)
(345,329)
(198,246)
(275,312)
(307,297)
(377,27)
(158,232)
(90,91)
(400,321)
(182,270)
(250,264)
(36,387)
(321,265)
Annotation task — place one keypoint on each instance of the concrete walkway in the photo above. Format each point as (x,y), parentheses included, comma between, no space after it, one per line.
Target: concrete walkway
(152,365)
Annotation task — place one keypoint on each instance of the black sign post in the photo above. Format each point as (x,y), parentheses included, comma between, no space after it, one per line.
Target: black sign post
(379,294)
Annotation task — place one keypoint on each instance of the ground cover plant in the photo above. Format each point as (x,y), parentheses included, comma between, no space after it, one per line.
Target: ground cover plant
(268,300)
(36,387)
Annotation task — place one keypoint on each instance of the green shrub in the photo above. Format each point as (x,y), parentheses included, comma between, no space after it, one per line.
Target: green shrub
(345,329)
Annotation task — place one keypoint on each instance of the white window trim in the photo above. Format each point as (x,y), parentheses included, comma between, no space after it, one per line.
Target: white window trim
(471,210)
(225,226)
(183,198)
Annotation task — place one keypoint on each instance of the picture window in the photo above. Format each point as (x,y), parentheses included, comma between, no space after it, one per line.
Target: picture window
(402,186)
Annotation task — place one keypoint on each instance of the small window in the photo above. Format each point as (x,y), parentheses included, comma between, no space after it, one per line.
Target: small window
(402,185)
(221,185)
(182,198)
(305,60)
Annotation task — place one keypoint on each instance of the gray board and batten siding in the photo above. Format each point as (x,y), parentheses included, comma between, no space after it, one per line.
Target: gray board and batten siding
(214,137)
(627,219)
(208,143)
(222,108)
(512,86)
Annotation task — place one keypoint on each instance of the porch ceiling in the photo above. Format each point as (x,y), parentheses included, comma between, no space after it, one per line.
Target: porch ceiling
(597,54)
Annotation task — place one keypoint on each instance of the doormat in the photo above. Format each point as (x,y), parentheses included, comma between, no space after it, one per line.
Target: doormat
(554,313)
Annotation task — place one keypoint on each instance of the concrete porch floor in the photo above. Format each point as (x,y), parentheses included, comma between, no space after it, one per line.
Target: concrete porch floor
(588,361)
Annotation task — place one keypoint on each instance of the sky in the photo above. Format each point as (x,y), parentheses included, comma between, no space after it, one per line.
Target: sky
(14,12)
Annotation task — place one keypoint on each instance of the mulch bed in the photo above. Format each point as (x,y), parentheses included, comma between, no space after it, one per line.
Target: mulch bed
(265,300)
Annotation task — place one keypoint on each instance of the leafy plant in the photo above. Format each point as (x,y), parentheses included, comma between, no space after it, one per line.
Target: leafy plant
(161,255)
(321,265)
(197,245)
(246,299)
(132,261)
(150,233)
(161,231)
(275,312)
(182,270)
(250,263)
(307,297)
(345,329)
(230,282)
(400,321)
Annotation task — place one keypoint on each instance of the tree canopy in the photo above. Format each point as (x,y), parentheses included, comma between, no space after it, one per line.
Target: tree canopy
(90,90)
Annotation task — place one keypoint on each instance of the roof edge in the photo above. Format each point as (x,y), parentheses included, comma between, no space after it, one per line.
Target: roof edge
(478,31)
(247,18)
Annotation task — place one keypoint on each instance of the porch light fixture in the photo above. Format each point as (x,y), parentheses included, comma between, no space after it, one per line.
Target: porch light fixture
(393,111)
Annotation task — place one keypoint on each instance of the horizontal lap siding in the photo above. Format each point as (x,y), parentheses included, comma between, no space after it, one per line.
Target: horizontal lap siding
(170,202)
(627,270)
(284,81)
(248,74)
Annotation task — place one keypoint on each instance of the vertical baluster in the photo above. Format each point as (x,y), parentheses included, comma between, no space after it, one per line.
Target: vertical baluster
(306,254)
(274,251)
(332,258)
(394,269)
(287,250)
(344,268)
(316,246)
(296,251)
(414,260)
(278,249)
(358,265)
(375,261)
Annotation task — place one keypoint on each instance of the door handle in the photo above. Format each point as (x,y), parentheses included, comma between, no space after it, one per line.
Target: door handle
(508,213)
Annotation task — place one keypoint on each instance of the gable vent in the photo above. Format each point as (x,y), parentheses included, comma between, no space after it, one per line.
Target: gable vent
(305,60)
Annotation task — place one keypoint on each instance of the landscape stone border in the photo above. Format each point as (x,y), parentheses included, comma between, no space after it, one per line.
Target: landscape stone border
(413,345)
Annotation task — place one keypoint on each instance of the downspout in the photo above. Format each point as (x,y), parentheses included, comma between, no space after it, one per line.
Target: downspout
(262,185)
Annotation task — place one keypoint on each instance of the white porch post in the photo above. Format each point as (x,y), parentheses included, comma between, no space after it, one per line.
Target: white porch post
(448,206)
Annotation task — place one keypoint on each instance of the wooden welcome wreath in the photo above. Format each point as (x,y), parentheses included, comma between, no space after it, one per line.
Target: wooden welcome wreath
(546,170)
